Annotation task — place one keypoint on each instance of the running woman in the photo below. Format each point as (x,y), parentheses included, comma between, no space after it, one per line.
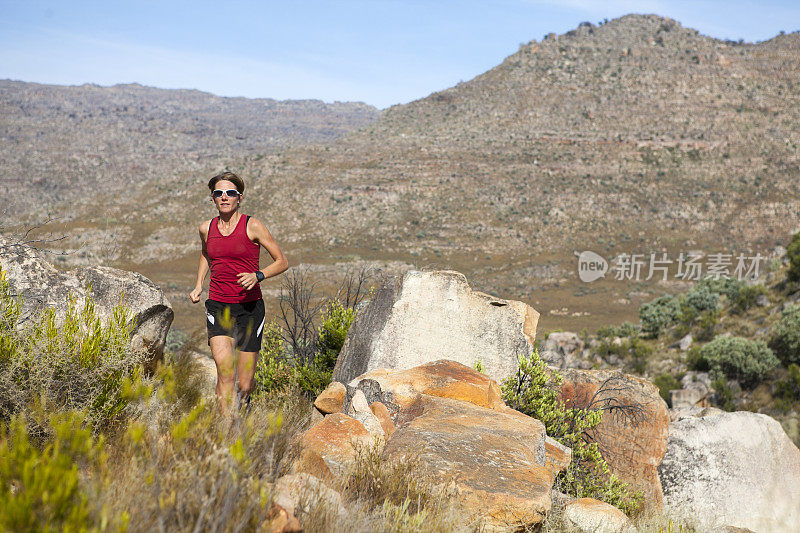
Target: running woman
(234,309)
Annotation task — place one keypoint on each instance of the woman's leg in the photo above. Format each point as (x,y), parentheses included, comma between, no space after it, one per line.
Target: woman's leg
(222,351)
(246,372)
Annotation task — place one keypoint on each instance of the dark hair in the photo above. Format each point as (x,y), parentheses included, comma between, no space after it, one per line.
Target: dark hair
(229,176)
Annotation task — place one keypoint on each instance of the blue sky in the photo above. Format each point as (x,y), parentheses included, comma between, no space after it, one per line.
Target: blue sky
(381,52)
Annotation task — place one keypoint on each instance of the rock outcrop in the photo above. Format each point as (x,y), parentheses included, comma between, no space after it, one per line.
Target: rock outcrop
(426,316)
(496,463)
(588,515)
(398,389)
(328,449)
(41,285)
(633,440)
(733,469)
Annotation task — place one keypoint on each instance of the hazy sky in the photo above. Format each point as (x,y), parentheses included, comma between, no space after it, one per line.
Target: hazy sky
(381,52)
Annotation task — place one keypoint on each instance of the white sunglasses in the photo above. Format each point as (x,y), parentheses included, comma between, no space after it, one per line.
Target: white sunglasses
(230,193)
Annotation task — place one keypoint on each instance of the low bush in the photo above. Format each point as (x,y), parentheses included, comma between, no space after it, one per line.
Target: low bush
(635,351)
(743,296)
(626,329)
(787,391)
(786,338)
(78,363)
(699,299)
(280,370)
(695,360)
(658,314)
(725,394)
(793,254)
(738,358)
(42,487)
(666,383)
(534,391)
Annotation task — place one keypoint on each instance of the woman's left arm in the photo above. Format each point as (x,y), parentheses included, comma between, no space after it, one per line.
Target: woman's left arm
(259,234)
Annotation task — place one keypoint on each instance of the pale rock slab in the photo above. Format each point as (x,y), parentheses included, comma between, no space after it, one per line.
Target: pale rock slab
(427,316)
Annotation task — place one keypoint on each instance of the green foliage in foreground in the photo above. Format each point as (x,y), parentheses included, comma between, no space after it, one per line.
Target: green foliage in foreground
(738,358)
(534,391)
(41,488)
(278,370)
(78,363)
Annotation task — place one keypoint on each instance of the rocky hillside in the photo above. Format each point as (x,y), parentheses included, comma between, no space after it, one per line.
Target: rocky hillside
(635,136)
(67,142)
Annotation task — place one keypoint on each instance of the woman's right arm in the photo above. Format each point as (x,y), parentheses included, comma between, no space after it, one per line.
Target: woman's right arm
(203,267)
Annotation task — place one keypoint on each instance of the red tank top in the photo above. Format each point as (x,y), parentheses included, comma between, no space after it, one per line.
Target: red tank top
(228,256)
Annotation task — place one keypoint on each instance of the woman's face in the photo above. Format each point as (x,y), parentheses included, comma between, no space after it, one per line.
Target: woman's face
(226,204)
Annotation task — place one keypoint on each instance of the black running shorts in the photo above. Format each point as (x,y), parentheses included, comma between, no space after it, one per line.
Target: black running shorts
(244,322)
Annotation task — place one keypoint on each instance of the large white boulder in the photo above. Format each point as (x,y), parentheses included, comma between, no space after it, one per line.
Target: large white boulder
(427,316)
(736,469)
(41,285)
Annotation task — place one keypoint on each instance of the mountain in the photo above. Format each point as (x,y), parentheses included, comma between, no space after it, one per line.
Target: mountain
(635,136)
(66,142)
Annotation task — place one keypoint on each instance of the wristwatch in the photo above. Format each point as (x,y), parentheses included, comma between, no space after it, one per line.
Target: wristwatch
(259,276)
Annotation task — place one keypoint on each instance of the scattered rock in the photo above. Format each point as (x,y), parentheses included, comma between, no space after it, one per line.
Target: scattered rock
(557,456)
(279,520)
(382,413)
(682,398)
(692,412)
(495,461)
(762,300)
(331,400)
(359,409)
(561,349)
(588,515)
(427,316)
(633,442)
(446,379)
(41,285)
(297,493)
(686,342)
(327,450)
(733,468)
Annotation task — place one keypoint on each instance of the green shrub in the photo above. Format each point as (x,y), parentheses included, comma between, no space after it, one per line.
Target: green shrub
(278,370)
(738,358)
(695,360)
(534,391)
(626,329)
(699,299)
(742,296)
(786,339)
(640,352)
(658,314)
(793,253)
(76,364)
(666,383)
(788,390)
(724,393)
(275,373)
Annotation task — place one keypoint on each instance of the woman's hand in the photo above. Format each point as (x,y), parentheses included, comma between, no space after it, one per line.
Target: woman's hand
(247,280)
(195,294)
